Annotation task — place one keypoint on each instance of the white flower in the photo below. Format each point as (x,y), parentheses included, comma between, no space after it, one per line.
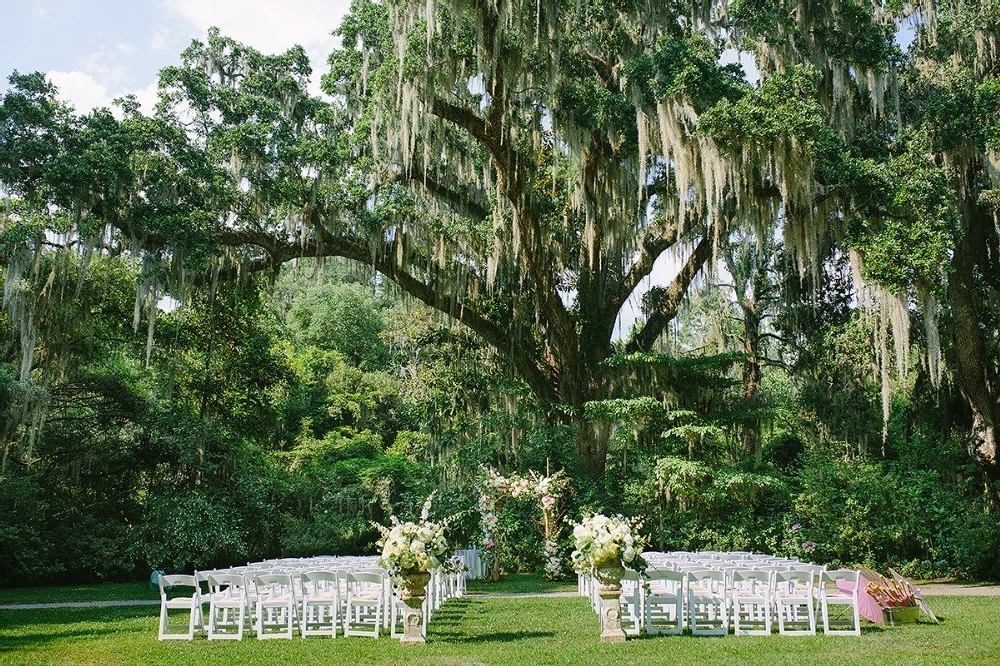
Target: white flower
(601,540)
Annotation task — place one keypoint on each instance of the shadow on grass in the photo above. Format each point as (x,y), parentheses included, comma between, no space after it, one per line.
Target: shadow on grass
(497,637)
(455,612)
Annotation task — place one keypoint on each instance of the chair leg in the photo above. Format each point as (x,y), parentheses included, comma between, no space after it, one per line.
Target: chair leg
(163,620)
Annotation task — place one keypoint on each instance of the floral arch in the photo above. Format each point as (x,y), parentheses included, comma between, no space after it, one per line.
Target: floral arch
(547,490)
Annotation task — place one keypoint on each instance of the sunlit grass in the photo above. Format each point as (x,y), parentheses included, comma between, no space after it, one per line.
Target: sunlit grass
(477,630)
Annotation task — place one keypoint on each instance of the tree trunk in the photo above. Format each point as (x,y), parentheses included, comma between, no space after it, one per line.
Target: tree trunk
(979,389)
(592,438)
(751,381)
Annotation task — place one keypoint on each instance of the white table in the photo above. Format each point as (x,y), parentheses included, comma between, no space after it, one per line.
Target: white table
(473,561)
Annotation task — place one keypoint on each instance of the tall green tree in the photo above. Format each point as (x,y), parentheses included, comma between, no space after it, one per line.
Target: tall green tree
(523,166)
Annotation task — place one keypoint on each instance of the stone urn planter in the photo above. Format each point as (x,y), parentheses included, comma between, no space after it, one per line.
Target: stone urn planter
(413,590)
(610,578)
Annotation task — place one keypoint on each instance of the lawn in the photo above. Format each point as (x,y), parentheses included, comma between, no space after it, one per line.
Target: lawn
(102,592)
(521,584)
(478,630)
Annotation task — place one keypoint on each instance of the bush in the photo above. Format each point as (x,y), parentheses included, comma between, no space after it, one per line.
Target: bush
(183,532)
(27,552)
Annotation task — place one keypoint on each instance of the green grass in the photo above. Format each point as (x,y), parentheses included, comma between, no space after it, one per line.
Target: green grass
(561,630)
(101,592)
(521,584)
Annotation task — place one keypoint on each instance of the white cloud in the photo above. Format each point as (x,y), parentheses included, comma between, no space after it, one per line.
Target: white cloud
(86,93)
(147,98)
(125,47)
(80,89)
(40,12)
(158,42)
(98,65)
(270,26)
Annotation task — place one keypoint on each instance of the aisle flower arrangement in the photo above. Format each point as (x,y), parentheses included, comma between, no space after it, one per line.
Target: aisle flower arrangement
(409,547)
(608,541)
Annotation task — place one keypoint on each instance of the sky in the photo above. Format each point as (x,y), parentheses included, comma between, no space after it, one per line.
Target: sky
(97,50)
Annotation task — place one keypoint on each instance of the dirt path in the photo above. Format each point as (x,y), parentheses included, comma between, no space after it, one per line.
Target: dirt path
(958,590)
(82,604)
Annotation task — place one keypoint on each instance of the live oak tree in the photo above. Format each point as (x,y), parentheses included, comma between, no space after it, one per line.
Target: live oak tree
(521,166)
(552,155)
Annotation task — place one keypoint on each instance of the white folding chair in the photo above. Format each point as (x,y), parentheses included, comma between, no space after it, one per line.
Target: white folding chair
(707,603)
(320,604)
(751,602)
(276,605)
(793,602)
(190,603)
(817,571)
(839,589)
(365,599)
(664,602)
(632,603)
(201,578)
(227,606)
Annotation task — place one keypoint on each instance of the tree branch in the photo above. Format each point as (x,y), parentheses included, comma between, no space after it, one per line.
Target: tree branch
(540,376)
(654,244)
(670,302)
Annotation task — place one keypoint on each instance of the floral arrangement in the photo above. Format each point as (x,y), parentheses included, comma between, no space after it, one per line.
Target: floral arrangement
(603,541)
(412,546)
(546,489)
(553,561)
(453,565)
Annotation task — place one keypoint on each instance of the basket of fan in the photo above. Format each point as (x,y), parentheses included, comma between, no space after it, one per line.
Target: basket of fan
(898,603)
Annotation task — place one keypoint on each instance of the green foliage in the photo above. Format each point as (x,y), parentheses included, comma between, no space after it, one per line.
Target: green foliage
(784,106)
(27,551)
(182,532)
(907,223)
(344,318)
(878,514)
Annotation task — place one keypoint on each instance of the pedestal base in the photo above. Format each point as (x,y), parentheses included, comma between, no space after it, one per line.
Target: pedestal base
(414,589)
(413,621)
(611,615)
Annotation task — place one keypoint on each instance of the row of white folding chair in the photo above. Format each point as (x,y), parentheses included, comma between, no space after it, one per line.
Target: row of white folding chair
(274,602)
(791,575)
(361,601)
(737,557)
(250,571)
(751,598)
(363,607)
(792,597)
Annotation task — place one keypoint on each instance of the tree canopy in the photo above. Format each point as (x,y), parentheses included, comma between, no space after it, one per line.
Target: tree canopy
(522,167)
